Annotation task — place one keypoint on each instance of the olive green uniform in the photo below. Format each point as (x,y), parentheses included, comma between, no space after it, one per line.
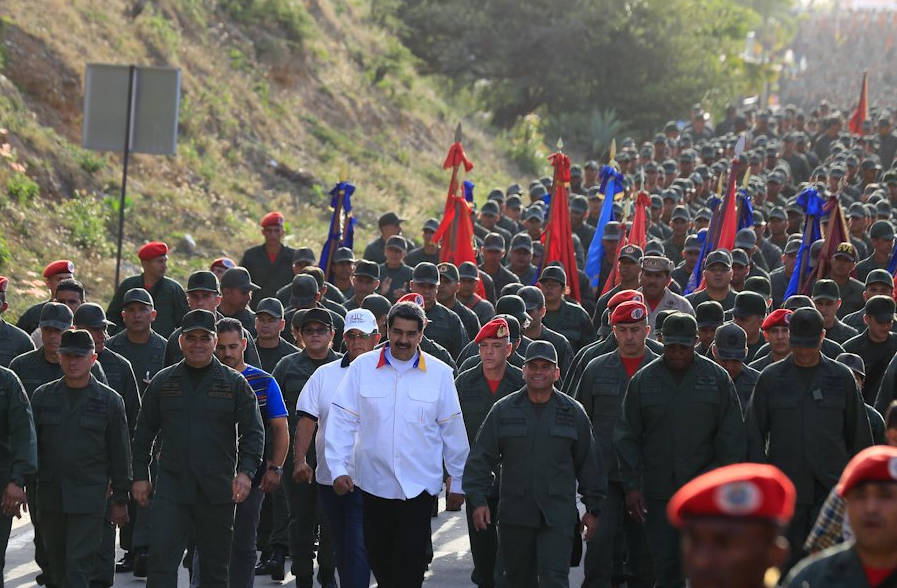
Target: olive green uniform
(851,297)
(573,322)
(268,275)
(83,450)
(744,384)
(840,332)
(146,358)
(836,567)
(547,454)
(671,431)
(468,318)
(601,392)
(211,428)
(808,422)
(444,327)
(173,353)
(588,353)
(400,276)
(876,356)
(291,373)
(887,390)
(477,399)
(169,301)
(13,343)
(246,318)
(561,345)
(30,319)
(18,445)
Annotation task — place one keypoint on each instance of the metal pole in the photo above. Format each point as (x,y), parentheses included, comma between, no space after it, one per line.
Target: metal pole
(132,77)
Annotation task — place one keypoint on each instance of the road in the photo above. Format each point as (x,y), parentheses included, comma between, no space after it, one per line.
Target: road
(451,565)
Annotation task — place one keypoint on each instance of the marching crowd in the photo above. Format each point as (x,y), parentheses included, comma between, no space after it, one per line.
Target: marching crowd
(652,431)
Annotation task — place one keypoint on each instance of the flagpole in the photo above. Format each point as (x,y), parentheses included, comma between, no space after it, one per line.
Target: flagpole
(337,221)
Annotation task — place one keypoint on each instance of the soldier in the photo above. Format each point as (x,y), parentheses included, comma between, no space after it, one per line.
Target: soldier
(709,317)
(203,294)
(603,386)
(292,372)
(342,266)
(544,463)
(209,413)
(654,283)
(730,350)
(882,236)
(771,253)
(877,344)
(479,388)
(776,331)
(19,459)
(138,343)
(535,308)
(868,488)
(680,222)
(806,417)
(691,251)
(731,520)
(717,281)
(55,272)
(169,297)
(443,325)
(13,340)
(429,251)
(827,299)
(330,298)
(610,238)
(395,275)
(780,278)
(842,263)
(303,257)
(68,292)
(876,422)
(446,295)
(269,264)
(390,226)
(561,316)
(221,265)
(269,324)
(879,282)
(493,251)
(748,313)
(628,269)
(236,294)
(579,208)
(487,221)
(468,278)
(344,513)
(680,416)
(365,281)
(84,454)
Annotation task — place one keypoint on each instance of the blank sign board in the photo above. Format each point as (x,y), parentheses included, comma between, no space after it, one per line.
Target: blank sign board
(154,109)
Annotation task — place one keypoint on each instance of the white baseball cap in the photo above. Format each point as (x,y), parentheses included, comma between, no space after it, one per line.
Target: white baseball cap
(361,319)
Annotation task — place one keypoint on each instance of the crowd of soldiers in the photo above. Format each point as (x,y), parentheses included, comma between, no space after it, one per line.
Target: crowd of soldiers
(269,411)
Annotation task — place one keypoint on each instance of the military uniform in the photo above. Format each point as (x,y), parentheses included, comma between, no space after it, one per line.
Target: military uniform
(515,359)
(246,318)
(813,422)
(420,255)
(561,345)
(669,432)
(669,301)
(703,296)
(269,275)
(271,356)
(169,298)
(502,278)
(146,358)
(855,320)
(851,297)
(376,251)
(477,399)
(604,383)
(772,255)
(444,327)
(83,450)
(173,353)
(779,283)
(211,419)
(876,356)
(836,567)
(480,307)
(586,354)
(572,322)
(546,457)
(34,370)
(865,266)
(291,373)
(468,318)
(744,384)
(18,445)
(887,390)
(29,321)
(840,333)
(400,277)
(13,343)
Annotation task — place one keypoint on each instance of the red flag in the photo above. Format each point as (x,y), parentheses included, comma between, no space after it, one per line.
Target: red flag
(558,235)
(729,216)
(835,234)
(455,232)
(637,232)
(860,114)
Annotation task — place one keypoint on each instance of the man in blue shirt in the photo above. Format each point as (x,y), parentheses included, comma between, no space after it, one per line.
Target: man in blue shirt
(229,351)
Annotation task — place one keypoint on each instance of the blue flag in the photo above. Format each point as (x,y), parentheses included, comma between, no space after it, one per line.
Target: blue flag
(707,245)
(611,185)
(812,203)
(746,218)
(468,186)
(342,224)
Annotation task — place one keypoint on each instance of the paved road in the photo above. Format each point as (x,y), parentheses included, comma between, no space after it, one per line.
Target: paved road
(450,569)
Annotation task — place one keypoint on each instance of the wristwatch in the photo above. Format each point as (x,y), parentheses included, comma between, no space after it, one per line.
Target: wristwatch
(276,469)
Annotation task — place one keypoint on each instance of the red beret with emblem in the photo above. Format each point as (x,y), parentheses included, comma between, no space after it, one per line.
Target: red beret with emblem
(497,328)
(412,297)
(224,262)
(152,250)
(60,266)
(271,219)
(4,282)
(741,491)
(624,296)
(780,317)
(874,464)
(631,311)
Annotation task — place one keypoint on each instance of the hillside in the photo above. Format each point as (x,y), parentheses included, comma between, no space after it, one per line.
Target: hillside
(277,95)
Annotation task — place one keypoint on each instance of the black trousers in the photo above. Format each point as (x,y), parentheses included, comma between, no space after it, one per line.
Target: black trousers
(396,536)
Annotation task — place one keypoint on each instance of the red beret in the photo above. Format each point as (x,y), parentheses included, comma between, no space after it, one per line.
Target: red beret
(4,282)
(873,464)
(497,328)
(412,297)
(152,250)
(744,490)
(778,318)
(271,219)
(224,262)
(631,311)
(61,266)
(624,296)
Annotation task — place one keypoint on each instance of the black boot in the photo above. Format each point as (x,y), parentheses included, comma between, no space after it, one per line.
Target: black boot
(126,564)
(276,564)
(141,563)
(263,567)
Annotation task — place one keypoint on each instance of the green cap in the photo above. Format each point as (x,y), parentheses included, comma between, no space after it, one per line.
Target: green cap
(448,271)
(882,229)
(377,304)
(204,280)
(881,308)
(730,341)
(827,290)
(541,350)
(77,342)
(90,315)
(271,306)
(425,273)
(56,316)
(141,296)
(880,276)
(749,304)
(679,329)
(805,327)
(554,272)
(710,314)
(198,320)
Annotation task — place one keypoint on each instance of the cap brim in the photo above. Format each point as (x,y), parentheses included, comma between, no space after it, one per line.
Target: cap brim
(77,351)
(553,360)
(197,289)
(883,318)
(303,301)
(678,340)
(366,275)
(826,297)
(198,328)
(426,281)
(143,302)
(269,313)
(803,342)
(55,325)
(731,354)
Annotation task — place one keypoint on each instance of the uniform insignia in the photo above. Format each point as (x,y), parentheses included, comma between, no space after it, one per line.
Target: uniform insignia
(892,467)
(564,417)
(637,314)
(738,498)
(502,331)
(220,391)
(787,319)
(171,389)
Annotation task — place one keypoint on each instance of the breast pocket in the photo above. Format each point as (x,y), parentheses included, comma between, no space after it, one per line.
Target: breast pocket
(422,404)
(375,402)
(91,444)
